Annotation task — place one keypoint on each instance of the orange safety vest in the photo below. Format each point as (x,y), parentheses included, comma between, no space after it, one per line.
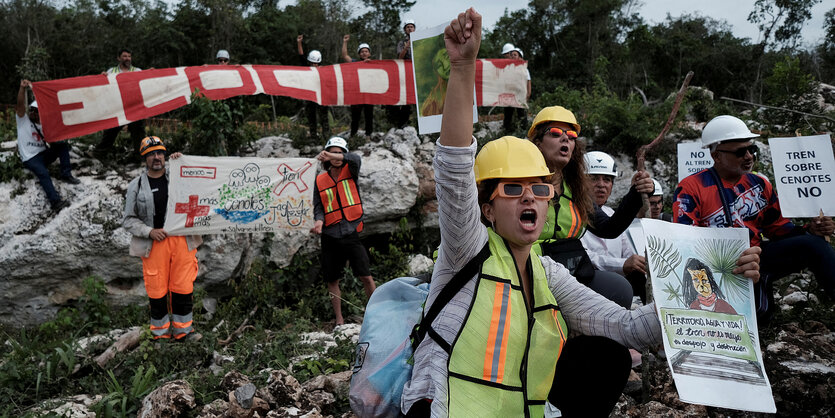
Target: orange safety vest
(340,199)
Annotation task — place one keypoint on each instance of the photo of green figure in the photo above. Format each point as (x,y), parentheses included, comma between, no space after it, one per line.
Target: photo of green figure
(431,63)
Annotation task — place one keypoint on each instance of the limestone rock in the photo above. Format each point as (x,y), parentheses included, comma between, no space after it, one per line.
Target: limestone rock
(172,399)
(46,256)
(233,380)
(419,264)
(285,389)
(79,406)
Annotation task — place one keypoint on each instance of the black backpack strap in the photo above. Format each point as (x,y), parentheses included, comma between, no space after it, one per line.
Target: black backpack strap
(729,222)
(447,293)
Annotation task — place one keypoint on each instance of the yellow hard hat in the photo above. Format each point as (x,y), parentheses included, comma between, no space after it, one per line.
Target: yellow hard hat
(554,114)
(149,144)
(509,157)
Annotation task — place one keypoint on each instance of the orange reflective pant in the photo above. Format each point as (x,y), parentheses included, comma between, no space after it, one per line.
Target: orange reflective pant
(170,269)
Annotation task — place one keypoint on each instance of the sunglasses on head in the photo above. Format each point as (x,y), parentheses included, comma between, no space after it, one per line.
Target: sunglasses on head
(739,153)
(557,132)
(541,191)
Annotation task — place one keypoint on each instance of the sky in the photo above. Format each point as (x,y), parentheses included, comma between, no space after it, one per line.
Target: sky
(430,13)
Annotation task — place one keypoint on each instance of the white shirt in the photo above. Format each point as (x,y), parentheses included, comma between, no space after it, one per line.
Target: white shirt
(29,141)
(607,254)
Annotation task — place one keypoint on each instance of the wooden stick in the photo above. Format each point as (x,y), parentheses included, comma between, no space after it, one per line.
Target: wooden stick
(679,96)
(125,342)
(240,329)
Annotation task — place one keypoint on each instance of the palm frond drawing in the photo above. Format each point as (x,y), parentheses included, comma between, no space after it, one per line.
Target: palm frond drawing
(663,255)
(721,255)
(673,293)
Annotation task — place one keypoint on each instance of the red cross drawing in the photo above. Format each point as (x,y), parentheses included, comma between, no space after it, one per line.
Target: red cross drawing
(291,176)
(191,209)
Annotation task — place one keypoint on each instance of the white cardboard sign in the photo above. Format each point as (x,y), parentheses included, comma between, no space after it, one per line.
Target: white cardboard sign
(804,169)
(692,158)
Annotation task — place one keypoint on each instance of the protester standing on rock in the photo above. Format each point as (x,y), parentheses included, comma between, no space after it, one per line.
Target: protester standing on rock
(509,51)
(401,114)
(315,111)
(36,154)
(169,263)
(337,209)
(137,127)
(730,195)
(367,110)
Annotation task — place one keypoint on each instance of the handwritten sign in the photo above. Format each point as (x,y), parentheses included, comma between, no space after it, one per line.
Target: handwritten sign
(216,195)
(707,315)
(708,332)
(692,158)
(804,170)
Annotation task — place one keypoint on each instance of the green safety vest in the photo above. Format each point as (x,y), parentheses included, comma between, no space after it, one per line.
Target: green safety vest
(502,362)
(565,224)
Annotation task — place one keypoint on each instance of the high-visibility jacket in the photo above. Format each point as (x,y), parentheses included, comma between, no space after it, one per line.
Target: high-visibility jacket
(340,198)
(503,360)
(563,220)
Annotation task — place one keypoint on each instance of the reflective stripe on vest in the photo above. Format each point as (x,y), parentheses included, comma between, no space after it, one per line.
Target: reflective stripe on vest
(566,223)
(503,360)
(340,199)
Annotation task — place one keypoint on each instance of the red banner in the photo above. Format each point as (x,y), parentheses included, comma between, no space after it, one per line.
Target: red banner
(73,107)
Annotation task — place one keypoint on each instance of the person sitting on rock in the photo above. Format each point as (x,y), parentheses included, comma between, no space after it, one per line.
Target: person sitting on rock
(614,256)
(36,154)
(730,195)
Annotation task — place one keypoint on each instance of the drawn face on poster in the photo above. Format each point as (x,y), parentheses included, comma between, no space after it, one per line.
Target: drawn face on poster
(431,66)
(700,290)
(431,74)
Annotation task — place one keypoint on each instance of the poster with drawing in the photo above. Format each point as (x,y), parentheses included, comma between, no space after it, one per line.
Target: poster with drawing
(430,64)
(707,314)
(218,195)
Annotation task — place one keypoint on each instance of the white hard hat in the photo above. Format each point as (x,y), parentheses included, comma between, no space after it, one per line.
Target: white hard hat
(409,22)
(507,48)
(222,54)
(725,128)
(337,142)
(601,163)
(314,56)
(33,104)
(658,191)
(519,51)
(363,45)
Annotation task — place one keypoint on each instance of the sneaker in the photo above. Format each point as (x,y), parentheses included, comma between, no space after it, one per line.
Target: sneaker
(61,204)
(70,179)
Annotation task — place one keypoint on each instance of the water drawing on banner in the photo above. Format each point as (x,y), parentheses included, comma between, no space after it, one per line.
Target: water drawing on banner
(803,170)
(707,315)
(692,158)
(229,194)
